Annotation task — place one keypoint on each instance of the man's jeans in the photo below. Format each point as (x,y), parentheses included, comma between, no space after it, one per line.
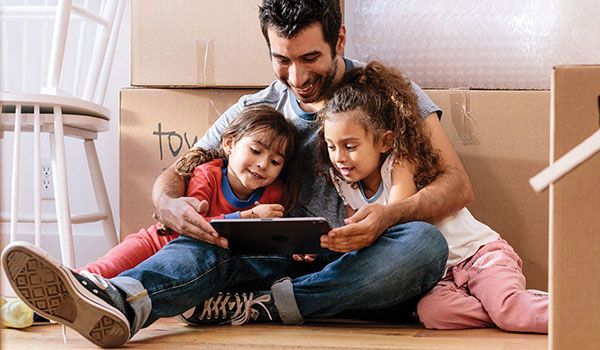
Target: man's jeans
(406,261)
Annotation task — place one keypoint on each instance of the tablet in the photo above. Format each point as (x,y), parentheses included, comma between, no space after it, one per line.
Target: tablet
(282,236)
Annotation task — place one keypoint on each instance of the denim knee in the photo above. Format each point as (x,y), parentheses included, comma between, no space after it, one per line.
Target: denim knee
(428,235)
(428,248)
(407,261)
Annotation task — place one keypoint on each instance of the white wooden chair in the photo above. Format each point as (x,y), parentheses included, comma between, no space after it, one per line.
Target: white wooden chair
(62,105)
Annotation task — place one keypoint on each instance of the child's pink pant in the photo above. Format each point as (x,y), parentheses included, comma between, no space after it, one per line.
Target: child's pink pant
(486,289)
(134,249)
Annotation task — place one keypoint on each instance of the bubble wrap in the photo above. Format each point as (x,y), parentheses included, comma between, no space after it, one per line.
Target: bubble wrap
(475,44)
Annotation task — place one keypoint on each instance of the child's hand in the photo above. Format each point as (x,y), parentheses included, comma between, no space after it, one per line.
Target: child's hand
(267,211)
(305,257)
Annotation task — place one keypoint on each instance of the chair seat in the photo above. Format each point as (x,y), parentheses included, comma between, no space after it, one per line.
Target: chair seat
(62,108)
(78,114)
(69,105)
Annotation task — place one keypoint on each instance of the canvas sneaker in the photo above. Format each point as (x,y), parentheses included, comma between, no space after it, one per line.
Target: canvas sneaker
(236,309)
(87,305)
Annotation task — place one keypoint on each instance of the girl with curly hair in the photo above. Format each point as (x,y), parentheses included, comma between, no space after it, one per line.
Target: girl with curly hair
(375,143)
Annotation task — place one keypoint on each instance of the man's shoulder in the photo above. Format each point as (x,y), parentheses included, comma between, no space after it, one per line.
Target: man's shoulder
(273,95)
(356,63)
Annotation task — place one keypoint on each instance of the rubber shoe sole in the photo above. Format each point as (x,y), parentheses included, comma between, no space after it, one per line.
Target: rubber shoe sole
(52,291)
(183,318)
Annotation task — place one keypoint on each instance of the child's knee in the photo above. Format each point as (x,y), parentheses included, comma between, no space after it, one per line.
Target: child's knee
(432,311)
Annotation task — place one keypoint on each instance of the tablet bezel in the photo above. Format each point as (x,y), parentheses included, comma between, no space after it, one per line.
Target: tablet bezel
(278,236)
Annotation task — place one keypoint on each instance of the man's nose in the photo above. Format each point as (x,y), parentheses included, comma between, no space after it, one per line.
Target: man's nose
(296,76)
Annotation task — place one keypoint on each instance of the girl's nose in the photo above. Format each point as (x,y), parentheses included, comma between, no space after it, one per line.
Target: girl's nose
(262,162)
(339,156)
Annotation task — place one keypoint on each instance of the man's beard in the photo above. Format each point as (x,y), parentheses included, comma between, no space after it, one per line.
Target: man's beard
(328,82)
(325,88)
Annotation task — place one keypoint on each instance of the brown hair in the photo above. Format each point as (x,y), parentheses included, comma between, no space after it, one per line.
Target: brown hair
(251,120)
(387,101)
(290,17)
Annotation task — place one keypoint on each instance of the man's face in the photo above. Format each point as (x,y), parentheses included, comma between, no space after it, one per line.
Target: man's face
(304,63)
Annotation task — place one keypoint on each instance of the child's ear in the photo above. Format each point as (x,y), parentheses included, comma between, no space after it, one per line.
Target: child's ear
(227,145)
(387,141)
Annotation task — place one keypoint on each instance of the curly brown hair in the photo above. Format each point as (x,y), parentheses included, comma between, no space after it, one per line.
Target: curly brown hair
(279,133)
(387,101)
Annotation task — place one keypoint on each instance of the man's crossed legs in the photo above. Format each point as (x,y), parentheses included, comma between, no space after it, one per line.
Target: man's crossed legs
(405,262)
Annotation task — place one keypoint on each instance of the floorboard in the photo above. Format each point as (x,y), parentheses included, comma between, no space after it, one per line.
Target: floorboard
(170,334)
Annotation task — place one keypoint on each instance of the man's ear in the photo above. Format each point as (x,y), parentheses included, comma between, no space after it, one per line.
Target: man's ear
(227,145)
(387,141)
(341,42)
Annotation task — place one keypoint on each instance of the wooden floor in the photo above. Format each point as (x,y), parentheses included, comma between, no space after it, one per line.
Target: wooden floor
(170,334)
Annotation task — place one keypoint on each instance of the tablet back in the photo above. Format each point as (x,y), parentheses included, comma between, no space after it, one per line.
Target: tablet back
(280,236)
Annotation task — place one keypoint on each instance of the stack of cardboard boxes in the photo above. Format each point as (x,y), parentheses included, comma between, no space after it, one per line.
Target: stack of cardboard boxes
(191,60)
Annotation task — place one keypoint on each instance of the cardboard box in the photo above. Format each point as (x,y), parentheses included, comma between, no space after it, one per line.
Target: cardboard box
(502,139)
(575,213)
(157,126)
(190,43)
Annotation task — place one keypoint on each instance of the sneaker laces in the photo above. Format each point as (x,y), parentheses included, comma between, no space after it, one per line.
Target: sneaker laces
(249,312)
(218,307)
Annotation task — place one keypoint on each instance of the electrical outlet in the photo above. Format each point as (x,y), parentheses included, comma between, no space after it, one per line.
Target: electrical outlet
(47,185)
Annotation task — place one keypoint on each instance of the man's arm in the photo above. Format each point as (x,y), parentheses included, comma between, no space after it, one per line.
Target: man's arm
(181,214)
(448,193)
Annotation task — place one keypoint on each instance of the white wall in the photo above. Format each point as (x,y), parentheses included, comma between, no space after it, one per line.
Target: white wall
(89,242)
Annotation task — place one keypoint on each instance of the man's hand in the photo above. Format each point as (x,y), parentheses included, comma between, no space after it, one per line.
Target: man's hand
(182,215)
(305,257)
(361,230)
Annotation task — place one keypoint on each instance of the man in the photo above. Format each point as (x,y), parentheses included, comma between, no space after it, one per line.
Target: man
(369,270)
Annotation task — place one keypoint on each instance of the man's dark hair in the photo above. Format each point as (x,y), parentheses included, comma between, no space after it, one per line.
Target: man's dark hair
(289,17)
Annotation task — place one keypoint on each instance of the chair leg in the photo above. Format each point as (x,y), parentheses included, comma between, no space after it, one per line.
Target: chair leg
(14,187)
(100,192)
(59,176)
(37,177)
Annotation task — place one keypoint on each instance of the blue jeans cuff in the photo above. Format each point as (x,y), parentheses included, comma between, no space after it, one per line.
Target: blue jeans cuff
(137,298)
(285,302)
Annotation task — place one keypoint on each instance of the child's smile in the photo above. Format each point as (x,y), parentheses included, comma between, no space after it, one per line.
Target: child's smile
(353,150)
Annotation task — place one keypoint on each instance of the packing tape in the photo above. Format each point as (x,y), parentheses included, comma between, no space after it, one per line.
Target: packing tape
(460,111)
(205,62)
